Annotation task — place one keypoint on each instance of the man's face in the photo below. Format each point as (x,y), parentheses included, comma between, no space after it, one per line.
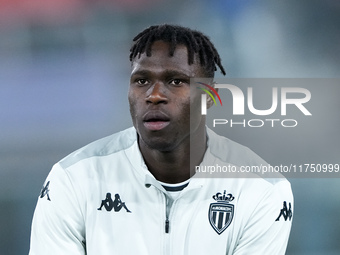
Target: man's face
(160,97)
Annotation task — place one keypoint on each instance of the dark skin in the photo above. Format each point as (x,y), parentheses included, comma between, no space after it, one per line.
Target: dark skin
(160,98)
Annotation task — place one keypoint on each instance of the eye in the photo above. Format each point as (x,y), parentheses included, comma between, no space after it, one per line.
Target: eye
(176,82)
(142,82)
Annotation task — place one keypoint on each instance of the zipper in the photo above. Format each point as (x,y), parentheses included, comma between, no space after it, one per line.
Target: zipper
(167,225)
(168,205)
(150,181)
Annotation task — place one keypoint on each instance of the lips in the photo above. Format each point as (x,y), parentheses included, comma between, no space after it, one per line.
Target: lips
(155,120)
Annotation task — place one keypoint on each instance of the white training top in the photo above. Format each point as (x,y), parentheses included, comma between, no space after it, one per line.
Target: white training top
(102,200)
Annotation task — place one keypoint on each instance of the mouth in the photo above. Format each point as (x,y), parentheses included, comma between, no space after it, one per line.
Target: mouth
(155,120)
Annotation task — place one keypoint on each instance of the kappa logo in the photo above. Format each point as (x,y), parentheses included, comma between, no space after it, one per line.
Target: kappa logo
(45,191)
(110,204)
(221,213)
(285,212)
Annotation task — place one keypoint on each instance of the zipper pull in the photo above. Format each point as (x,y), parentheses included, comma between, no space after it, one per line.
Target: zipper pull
(167,226)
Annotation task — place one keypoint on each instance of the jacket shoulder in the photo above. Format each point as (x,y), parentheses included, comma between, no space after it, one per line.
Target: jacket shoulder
(102,147)
(231,152)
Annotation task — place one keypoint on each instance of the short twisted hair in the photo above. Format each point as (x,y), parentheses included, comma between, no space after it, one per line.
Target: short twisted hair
(195,41)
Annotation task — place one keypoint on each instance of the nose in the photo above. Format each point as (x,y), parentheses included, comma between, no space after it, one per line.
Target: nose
(156,94)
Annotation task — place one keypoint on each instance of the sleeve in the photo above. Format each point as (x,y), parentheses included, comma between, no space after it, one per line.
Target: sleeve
(267,231)
(58,222)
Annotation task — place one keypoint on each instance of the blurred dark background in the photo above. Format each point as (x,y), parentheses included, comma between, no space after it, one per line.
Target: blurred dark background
(64,75)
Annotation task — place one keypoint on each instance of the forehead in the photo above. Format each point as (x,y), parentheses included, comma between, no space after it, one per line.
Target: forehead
(160,60)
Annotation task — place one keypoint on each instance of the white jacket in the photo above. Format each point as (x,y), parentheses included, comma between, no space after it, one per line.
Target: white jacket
(210,216)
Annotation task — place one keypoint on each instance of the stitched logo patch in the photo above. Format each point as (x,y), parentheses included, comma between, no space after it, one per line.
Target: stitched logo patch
(221,213)
(285,212)
(115,204)
(45,191)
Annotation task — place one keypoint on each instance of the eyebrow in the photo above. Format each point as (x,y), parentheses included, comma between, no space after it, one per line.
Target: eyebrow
(166,73)
(141,72)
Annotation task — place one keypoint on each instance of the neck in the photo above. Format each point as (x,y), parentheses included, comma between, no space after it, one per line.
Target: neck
(178,164)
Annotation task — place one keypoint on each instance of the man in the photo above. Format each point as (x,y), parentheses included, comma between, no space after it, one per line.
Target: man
(171,210)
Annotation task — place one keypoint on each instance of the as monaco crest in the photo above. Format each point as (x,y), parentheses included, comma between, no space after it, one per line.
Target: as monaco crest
(221,213)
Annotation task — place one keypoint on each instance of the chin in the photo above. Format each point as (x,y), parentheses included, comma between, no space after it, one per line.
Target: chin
(163,146)
(164,141)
